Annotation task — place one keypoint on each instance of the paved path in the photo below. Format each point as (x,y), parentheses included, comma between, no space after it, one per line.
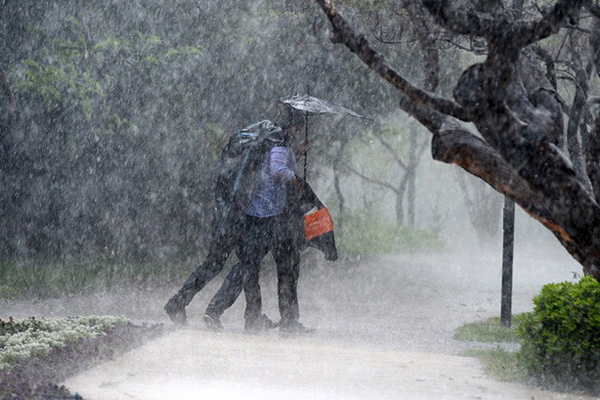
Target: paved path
(195,364)
(385,331)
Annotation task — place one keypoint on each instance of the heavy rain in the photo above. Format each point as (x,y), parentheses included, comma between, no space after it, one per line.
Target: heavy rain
(328,199)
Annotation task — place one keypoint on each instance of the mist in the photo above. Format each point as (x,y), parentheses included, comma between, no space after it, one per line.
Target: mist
(113,117)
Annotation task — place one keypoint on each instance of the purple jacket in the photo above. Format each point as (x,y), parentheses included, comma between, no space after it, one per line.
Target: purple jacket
(269,196)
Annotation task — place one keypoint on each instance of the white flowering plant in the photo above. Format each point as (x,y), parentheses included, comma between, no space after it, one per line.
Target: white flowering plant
(23,340)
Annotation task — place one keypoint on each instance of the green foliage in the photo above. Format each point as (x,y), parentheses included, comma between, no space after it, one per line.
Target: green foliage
(56,83)
(489,331)
(122,109)
(29,279)
(561,337)
(499,364)
(369,233)
(22,340)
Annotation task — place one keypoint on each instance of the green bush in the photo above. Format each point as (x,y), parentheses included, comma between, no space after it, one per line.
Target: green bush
(561,337)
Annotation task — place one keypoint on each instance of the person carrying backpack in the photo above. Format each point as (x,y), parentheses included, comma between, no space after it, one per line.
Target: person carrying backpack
(249,216)
(269,228)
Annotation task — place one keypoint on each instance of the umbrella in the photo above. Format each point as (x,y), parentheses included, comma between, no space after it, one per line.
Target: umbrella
(312,105)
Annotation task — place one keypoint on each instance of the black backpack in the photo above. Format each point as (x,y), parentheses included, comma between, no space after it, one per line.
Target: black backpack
(239,166)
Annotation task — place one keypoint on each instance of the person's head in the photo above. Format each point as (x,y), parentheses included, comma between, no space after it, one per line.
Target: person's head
(293,123)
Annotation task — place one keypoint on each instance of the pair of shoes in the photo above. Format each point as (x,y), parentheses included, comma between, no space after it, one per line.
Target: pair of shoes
(176,312)
(261,323)
(212,322)
(295,328)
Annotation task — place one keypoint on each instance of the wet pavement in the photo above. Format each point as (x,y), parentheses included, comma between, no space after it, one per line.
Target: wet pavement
(384,330)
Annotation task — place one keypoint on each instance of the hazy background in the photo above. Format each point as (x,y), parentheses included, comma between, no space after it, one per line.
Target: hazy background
(114,113)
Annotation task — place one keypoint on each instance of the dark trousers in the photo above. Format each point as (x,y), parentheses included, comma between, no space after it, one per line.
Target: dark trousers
(263,235)
(224,242)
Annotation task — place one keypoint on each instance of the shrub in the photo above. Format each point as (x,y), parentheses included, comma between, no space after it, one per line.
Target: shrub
(561,337)
(36,354)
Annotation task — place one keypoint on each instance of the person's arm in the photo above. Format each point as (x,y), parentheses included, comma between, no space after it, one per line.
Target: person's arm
(280,164)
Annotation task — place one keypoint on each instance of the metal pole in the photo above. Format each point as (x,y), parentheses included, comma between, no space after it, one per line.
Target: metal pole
(507,261)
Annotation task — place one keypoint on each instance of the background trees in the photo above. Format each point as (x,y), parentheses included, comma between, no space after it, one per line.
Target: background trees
(514,104)
(112,115)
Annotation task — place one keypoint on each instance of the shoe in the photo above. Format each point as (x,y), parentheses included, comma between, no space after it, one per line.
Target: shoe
(261,323)
(295,328)
(176,312)
(213,323)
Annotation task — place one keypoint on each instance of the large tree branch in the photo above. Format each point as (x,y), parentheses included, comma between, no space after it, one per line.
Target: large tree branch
(478,158)
(593,158)
(592,7)
(358,44)
(463,22)
(552,20)
(431,57)
(577,109)
(547,185)
(498,26)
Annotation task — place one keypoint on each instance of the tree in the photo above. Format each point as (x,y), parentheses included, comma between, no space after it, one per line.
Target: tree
(405,159)
(516,111)
(113,114)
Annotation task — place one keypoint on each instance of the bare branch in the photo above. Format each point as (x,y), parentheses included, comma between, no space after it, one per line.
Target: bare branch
(577,108)
(499,27)
(389,149)
(593,8)
(431,58)
(369,179)
(358,44)
(551,22)
(549,61)
(464,22)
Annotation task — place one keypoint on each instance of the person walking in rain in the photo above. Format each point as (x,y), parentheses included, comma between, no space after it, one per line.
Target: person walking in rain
(263,228)
(268,229)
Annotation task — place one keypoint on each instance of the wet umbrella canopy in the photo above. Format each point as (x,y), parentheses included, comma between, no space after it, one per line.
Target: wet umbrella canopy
(313,105)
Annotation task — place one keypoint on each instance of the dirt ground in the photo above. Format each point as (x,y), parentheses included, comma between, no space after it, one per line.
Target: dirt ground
(384,330)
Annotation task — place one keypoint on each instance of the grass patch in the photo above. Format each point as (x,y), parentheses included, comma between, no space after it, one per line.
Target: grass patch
(372,234)
(499,364)
(30,279)
(489,331)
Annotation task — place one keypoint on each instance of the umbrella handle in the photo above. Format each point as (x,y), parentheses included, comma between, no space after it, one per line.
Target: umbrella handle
(306,140)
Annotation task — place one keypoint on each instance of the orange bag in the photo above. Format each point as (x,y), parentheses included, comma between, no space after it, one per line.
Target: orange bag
(317,222)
